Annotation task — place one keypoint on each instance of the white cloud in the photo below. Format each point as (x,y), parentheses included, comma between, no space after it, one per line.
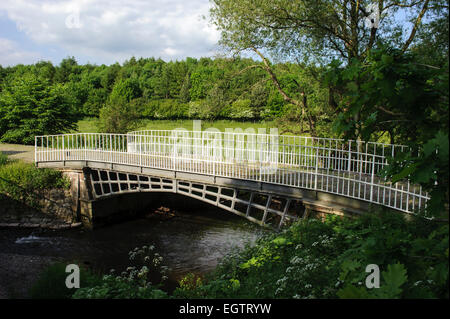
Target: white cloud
(12,54)
(107,31)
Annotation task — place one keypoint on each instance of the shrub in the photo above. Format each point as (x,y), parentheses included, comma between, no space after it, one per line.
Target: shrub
(20,180)
(241,109)
(134,282)
(165,109)
(119,116)
(200,110)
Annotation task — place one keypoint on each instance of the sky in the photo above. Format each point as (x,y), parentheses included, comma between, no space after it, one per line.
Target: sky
(104,31)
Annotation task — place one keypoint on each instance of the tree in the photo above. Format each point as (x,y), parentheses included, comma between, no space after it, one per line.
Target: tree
(30,106)
(67,67)
(320,30)
(119,115)
(127,89)
(391,93)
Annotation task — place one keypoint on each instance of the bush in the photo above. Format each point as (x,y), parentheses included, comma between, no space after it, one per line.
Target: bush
(30,105)
(119,116)
(200,110)
(241,109)
(51,283)
(112,287)
(165,109)
(20,180)
(134,282)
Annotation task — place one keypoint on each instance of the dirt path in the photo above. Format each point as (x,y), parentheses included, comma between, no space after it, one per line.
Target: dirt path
(17,151)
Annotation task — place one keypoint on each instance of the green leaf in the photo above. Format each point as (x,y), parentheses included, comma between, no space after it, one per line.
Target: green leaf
(387,59)
(352,86)
(394,278)
(279,241)
(405,172)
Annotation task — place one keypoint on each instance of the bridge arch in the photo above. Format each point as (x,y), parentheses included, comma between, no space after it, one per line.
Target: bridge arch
(263,208)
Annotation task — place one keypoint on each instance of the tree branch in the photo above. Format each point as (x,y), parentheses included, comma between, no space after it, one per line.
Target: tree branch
(275,80)
(416,26)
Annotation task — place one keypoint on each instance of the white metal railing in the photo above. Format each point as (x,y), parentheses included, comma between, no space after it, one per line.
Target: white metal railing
(344,167)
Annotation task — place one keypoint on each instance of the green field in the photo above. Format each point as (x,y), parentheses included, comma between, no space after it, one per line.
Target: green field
(89,125)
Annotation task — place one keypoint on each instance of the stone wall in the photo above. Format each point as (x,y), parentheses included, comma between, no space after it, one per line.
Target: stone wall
(55,208)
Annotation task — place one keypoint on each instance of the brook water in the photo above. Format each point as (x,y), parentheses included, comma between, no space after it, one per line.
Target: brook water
(189,241)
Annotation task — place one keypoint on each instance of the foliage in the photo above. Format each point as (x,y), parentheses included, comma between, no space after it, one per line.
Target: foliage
(309,28)
(21,181)
(51,282)
(119,116)
(241,109)
(390,92)
(30,105)
(314,259)
(165,109)
(144,88)
(134,282)
(428,168)
(3,159)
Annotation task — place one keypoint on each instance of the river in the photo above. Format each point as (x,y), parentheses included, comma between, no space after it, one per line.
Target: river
(188,242)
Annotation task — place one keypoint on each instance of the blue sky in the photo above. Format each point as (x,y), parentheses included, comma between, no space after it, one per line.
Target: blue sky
(103,31)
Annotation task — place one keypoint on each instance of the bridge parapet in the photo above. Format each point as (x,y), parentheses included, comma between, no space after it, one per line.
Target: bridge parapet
(335,166)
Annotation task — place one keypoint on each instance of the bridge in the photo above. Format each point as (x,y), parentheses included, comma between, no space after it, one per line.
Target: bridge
(267,178)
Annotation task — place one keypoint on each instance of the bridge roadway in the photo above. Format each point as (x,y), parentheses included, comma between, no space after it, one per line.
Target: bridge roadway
(266,191)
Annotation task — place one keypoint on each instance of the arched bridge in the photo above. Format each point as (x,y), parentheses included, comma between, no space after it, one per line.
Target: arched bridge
(267,178)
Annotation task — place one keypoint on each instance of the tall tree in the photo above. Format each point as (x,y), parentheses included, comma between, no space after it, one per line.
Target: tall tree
(317,30)
(31,106)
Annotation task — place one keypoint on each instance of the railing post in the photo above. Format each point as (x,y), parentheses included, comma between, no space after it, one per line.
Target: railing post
(140,150)
(63,149)
(349,156)
(35,150)
(174,151)
(373,178)
(260,159)
(110,148)
(317,168)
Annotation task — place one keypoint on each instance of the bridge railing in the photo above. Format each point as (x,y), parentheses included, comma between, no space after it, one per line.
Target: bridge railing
(347,168)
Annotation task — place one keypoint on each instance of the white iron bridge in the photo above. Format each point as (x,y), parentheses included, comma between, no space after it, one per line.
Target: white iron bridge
(341,167)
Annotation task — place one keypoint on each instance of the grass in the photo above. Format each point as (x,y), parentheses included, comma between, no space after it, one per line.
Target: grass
(89,125)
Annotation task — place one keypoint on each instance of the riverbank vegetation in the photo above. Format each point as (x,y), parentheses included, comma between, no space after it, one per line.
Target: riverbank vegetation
(22,181)
(310,259)
(328,259)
